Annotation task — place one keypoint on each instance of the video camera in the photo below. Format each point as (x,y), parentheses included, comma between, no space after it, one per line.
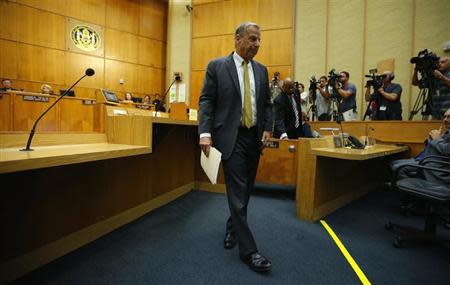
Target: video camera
(333,78)
(376,80)
(426,61)
(313,83)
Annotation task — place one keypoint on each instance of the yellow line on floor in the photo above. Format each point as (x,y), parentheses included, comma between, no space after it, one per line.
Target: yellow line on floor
(346,254)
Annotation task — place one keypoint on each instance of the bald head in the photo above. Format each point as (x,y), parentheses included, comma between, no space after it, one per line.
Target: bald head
(388,76)
(288,86)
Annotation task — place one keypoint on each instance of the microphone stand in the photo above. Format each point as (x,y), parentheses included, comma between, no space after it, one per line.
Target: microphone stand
(30,137)
(367,134)
(164,96)
(339,121)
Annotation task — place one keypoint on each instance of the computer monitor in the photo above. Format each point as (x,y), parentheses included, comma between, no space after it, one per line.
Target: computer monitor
(136,99)
(110,96)
(70,93)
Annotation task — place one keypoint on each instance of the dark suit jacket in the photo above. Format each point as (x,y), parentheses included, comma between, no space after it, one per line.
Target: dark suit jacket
(284,116)
(220,103)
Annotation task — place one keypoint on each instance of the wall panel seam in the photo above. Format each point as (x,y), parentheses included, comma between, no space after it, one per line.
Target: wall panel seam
(363,99)
(232,34)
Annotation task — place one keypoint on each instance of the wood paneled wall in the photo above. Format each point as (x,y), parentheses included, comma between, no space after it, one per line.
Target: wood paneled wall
(354,35)
(213,26)
(33,51)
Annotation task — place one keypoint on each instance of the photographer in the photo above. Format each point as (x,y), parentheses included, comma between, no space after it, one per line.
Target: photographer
(386,97)
(347,93)
(440,96)
(323,102)
(304,96)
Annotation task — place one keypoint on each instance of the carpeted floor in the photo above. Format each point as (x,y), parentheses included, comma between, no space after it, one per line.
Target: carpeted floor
(181,243)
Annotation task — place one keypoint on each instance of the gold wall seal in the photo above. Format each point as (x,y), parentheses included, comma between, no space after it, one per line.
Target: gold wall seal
(82,37)
(85,38)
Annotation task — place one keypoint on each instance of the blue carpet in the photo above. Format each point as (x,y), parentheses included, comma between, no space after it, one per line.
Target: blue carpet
(182,243)
(360,227)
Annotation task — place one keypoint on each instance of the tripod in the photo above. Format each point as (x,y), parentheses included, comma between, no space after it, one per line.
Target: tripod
(335,115)
(372,98)
(424,98)
(313,107)
(422,104)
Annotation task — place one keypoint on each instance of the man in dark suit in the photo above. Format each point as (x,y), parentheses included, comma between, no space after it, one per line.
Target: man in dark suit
(236,117)
(288,115)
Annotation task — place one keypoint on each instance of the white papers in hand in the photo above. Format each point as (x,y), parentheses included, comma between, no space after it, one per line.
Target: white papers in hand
(211,164)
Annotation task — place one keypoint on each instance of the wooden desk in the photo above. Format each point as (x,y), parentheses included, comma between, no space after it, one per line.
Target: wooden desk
(13,160)
(358,154)
(410,133)
(330,178)
(19,110)
(68,192)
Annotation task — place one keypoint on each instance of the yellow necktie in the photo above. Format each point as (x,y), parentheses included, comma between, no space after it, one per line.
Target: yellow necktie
(248,112)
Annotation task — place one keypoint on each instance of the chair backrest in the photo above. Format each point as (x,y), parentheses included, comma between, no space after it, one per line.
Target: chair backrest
(437,176)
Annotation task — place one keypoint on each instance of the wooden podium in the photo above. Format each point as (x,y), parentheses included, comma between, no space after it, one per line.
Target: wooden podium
(178,111)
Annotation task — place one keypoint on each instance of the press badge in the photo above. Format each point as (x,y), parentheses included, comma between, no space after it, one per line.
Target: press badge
(382,108)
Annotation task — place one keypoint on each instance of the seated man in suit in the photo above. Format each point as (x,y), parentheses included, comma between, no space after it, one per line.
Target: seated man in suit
(159,104)
(438,143)
(288,116)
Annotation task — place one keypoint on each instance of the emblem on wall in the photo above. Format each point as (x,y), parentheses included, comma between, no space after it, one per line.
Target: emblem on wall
(84,37)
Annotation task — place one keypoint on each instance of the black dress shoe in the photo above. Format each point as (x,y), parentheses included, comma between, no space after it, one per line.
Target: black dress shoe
(230,240)
(257,262)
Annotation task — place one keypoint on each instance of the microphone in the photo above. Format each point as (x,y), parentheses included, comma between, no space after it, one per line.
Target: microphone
(88,72)
(367,134)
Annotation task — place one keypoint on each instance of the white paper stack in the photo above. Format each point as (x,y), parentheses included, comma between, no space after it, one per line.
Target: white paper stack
(211,164)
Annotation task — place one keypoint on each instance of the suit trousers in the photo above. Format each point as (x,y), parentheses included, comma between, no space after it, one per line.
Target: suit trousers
(240,173)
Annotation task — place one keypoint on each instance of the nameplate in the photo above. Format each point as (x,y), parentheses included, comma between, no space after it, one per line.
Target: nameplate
(35,98)
(120,112)
(272,144)
(88,102)
(143,106)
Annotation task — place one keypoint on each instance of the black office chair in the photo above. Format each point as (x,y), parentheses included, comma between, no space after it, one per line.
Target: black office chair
(434,192)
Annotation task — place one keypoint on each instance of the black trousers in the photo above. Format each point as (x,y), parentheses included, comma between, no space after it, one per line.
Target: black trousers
(240,172)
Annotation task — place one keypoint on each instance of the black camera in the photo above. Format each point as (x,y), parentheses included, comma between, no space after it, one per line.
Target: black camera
(333,78)
(313,83)
(426,61)
(376,80)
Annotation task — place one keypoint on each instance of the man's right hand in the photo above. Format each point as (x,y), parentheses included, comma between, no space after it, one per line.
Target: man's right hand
(435,134)
(205,144)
